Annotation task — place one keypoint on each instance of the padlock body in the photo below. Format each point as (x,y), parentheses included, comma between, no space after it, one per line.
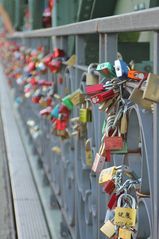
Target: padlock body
(108,229)
(109,186)
(85,115)
(98,163)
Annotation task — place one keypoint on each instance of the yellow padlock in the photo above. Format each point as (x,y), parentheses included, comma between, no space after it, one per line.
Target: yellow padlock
(125,233)
(106,174)
(125,216)
(108,229)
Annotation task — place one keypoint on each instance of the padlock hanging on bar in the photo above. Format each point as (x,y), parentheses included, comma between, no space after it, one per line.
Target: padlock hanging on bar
(121,68)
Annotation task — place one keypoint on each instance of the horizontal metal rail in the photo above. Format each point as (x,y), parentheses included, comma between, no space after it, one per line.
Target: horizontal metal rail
(137,21)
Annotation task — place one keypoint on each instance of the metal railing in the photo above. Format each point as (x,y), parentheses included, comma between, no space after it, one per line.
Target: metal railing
(81,200)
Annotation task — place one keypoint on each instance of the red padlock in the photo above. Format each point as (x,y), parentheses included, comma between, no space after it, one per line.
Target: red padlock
(55,66)
(47,59)
(36,99)
(58,53)
(98,98)
(61,124)
(113,201)
(109,186)
(93,89)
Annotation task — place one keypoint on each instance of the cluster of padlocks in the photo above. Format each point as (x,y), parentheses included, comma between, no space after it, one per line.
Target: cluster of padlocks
(106,86)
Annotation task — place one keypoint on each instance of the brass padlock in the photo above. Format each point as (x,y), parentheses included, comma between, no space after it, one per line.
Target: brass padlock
(125,216)
(125,233)
(108,229)
(77,97)
(151,91)
(91,77)
(137,97)
(106,174)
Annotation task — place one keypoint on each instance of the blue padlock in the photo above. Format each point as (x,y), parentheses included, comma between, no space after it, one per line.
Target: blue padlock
(121,68)
(55,112)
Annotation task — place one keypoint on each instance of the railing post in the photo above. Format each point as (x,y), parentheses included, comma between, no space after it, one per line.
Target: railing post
(155,222)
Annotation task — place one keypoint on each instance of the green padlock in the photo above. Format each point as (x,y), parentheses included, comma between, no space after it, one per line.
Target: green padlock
(85,113)
(106,69)
(67,102)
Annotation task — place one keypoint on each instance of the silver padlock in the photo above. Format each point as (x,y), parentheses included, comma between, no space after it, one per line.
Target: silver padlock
(92,77)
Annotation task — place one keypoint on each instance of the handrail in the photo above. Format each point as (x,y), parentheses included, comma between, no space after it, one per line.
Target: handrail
(144,20)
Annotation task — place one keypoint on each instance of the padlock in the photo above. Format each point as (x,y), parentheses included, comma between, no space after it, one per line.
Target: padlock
(91,77)
(113,141)
(112,201)
(137,97)
(55,111)
(108,229)
(64,112)
(85,114)
(123,150)
(55,66)
(56,150)
(71,61)
(88,153)
(46,111)
(109,186)
(121,68)
(125,216)
(77,97)
(94,89)
(101,97)
(125,233)
(58,53)
(106,175)
(137,75)
(47,59)
(124,122)
(67,102)
(43,102)
(151,91)
(106,69)
(99,160)
(108,103)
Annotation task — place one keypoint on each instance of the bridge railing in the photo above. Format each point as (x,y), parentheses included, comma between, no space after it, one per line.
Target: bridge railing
(82,201)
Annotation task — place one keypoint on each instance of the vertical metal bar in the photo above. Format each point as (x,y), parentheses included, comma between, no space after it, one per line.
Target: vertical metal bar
(101,48)
(111,47)
(155,229)
(80,50)
(80,53)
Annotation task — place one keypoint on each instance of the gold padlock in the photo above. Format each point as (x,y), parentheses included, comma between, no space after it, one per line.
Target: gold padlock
(137,97)
(125,233)
(77,97)
(106,174)
(108,229)
(151,91)
(125,216)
